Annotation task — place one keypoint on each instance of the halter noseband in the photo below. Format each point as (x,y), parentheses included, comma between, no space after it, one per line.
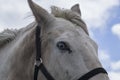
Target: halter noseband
(40,66)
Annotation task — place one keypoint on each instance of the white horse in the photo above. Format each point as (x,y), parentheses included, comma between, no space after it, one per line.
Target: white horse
(67,50)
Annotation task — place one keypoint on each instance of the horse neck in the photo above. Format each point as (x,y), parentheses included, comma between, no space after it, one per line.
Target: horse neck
(20,63)
(22,58)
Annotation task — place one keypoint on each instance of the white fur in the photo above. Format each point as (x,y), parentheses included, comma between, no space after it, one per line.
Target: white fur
(17,57)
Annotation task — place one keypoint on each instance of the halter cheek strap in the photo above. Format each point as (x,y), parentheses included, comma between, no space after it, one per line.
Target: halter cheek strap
(43,70)
(40,66)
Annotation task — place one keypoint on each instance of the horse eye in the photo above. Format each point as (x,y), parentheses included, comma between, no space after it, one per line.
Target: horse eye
(63,46)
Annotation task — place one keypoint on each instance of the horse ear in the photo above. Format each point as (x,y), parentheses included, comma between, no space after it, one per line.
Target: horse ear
(41,15)
(76,9)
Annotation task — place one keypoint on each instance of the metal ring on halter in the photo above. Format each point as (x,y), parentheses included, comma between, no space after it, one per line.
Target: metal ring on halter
(38,62)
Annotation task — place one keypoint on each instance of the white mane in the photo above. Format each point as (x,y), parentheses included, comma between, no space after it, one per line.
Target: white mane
(70,15)
(10,34)
(7,35)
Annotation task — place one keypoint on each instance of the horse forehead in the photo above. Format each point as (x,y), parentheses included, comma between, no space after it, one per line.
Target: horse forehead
(67,35)
(70,34)
(65,29)
(66,26)
(60,22)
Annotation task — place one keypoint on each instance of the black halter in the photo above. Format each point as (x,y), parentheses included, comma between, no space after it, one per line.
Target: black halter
(40,66)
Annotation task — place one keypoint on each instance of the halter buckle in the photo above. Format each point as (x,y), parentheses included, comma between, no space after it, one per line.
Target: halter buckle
(38,62)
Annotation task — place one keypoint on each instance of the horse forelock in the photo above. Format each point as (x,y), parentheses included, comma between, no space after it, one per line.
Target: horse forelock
(70,15)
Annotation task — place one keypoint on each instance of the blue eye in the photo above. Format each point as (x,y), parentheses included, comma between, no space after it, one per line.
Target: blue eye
(63,46)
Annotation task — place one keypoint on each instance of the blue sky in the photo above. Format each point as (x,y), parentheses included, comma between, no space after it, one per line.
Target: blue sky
(101,16)
(115,42)
(107,40)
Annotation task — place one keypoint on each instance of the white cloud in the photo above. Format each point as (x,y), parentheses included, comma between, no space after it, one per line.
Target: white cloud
(12,13)
(113,68)
(116,30)
(1,28)
(94,12)
(103,55)
(116,66)
(105,59)
(114,75)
